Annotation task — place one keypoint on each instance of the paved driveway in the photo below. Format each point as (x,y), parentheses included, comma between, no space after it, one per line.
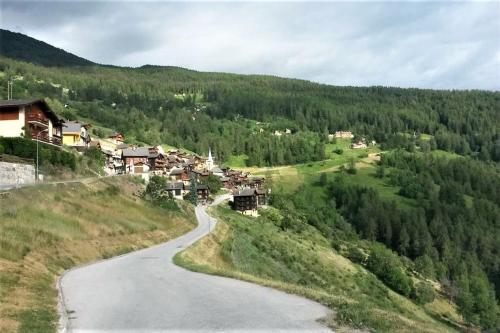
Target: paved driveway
(145,292)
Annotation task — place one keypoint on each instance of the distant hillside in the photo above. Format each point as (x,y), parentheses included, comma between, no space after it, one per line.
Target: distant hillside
(21,47)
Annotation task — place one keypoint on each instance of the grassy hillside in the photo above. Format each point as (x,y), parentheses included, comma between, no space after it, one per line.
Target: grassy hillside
(47,229)
(304,263)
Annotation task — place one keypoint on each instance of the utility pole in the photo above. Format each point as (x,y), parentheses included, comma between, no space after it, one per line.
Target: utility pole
(9,89)
(38,139)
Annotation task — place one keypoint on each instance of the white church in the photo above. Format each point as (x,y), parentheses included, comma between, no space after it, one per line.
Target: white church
(211,166)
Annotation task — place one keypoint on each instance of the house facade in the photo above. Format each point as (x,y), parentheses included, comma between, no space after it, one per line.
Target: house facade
(19,117)
(76,134)
(248,200)
(135,160)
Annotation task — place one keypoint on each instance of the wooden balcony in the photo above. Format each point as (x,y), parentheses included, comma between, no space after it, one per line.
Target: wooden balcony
(44,137)
(34,118)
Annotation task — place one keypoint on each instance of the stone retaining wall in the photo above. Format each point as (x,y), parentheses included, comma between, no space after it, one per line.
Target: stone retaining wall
(16,173)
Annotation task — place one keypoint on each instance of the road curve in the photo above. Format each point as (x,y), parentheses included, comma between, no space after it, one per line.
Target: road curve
(144,291)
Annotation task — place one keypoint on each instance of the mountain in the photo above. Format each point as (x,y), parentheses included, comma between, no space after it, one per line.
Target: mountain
(432,197)
(17,46)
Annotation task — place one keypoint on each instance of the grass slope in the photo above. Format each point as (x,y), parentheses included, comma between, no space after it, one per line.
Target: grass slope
(45,230)
(303,263)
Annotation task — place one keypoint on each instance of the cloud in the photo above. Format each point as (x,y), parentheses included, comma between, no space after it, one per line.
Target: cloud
(408,44)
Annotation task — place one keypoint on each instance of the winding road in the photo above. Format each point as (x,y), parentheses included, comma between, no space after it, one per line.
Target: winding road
(144,291)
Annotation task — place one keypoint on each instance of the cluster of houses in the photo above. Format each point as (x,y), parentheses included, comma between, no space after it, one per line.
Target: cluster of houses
(34,117)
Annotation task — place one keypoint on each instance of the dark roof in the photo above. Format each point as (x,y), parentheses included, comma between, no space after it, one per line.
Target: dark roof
(247,192)
(24,102)
(201,187)
(135,152)
(176,171)
(260,191)
(175,186)
(122,146)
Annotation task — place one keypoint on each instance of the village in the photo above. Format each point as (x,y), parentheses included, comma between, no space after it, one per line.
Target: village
(183,170)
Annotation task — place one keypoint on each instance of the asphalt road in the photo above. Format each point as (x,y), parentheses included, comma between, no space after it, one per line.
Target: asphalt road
(145,292)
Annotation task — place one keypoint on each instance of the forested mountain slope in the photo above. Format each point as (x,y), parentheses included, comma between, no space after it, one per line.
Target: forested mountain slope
(18,46)
(147,104)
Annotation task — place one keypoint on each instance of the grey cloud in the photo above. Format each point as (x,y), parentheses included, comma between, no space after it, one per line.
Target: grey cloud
(414,44)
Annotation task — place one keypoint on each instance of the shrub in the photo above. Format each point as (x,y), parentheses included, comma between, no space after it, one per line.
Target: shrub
(156,193)
(356,255)
(386,265)
(338,151)
(423,293)
(48,155)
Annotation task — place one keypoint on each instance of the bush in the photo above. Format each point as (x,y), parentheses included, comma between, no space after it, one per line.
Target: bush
(338,151)
(386,265)
(156,193)
(356,255)
(423,293)
(47,155)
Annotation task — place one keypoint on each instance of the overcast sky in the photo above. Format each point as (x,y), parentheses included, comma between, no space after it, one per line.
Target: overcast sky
(406,44)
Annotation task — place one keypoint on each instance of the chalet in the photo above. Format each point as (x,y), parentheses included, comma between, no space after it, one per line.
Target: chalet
(202,192)
(180,174)
(176,189)
(136,160)
(34,116)
(117,138)
(249,200)
(256,182)
(344,134)
(76,134)
(226,182)
(245,200)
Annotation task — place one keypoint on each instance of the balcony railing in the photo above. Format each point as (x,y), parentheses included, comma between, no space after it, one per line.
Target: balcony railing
(55,140)
(37,118)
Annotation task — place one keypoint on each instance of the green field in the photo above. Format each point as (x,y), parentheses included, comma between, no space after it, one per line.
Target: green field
(47,229)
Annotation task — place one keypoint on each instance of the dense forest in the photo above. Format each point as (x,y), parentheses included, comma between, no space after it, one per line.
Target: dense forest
(154,104)
(450,229)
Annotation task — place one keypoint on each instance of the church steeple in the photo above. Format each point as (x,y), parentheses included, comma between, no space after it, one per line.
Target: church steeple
(210,160)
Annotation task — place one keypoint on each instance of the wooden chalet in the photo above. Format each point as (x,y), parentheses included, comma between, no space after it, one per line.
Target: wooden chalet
(33,116)
(179,174)
(176,189)
(249,199)
(136,160)
(117,137)
(202,191)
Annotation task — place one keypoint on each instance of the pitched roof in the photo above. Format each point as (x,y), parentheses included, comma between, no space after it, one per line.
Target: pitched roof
(201,187)
(247,192)
(175,186)
(135,152)
(24,102)
(176,171)
(122,146)
(216,170)
(72,127)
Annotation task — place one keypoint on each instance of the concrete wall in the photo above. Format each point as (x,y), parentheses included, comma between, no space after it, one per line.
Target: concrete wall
(15,173)
(13,128)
